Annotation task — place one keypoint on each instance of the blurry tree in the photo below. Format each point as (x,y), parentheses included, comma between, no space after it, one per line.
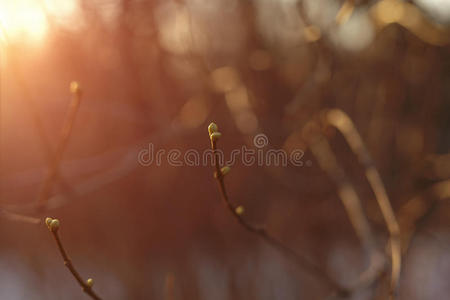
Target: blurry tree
(158,72)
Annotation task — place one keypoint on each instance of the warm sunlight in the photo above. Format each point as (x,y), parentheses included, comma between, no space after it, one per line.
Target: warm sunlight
(22,19)
(224,149)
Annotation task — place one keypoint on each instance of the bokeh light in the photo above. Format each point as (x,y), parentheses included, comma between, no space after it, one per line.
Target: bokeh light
(153,75)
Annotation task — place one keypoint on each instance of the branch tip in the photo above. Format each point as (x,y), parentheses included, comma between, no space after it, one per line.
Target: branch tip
(54,225)
(75,87)
(48,220)
(212,128)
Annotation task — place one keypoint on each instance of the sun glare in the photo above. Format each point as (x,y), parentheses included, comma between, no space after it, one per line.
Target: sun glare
(23,20)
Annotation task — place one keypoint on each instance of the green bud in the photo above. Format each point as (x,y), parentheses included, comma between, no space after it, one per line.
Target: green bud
(239,210)
(90,282)
(75,87)
(212,128)
(48,221)
(54,225)
(225,170)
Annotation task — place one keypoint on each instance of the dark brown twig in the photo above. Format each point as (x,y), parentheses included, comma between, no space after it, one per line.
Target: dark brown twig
(53,225)
(237,211)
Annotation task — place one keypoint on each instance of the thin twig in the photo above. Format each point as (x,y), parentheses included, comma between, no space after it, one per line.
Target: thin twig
(53,225)
(66,131)
(303,262)
(19,217)
(169,286)
(414,213)
(321,149)
(344,124)
(345,12)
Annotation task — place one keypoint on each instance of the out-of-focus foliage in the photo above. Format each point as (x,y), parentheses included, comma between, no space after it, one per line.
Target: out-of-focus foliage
(158,72)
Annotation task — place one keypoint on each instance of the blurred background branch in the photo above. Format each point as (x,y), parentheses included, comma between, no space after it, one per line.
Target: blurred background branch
(156,72)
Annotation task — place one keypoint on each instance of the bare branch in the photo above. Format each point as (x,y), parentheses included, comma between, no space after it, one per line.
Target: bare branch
(66,131)
(53,225)
(413,214)
(19,217)
(237,212)
(321,149)
(343,123)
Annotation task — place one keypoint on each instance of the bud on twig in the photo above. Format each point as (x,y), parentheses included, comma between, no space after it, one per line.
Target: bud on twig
(75,87)
(48,221)
(239,210)
(225,170)
(90,282)
(212,128)
(54,225)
